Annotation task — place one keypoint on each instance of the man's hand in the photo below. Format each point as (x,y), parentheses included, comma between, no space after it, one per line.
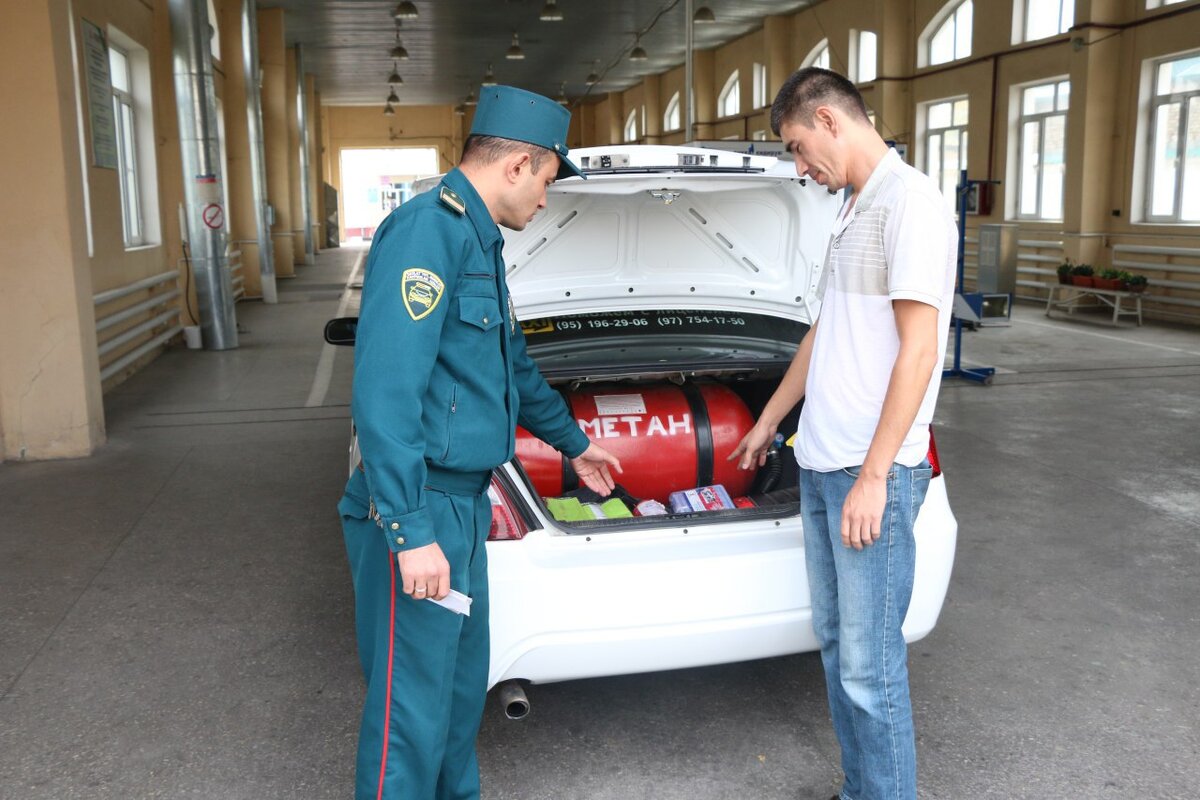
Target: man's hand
(592,468)
(862,512)
(754,446)
(425,571)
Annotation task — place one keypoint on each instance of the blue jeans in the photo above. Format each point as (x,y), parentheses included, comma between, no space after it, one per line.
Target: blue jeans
(859,599)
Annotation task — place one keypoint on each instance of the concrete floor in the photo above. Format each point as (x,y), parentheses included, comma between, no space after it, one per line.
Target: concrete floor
(175,614)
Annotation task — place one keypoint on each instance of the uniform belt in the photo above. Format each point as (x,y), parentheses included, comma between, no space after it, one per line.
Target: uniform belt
(451,482)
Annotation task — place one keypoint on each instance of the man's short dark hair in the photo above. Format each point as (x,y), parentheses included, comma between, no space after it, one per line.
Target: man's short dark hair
(484,150)
(811,87)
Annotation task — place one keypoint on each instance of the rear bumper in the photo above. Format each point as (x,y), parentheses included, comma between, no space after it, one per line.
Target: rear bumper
(580,606)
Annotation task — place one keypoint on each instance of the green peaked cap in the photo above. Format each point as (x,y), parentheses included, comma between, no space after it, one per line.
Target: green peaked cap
(512,113)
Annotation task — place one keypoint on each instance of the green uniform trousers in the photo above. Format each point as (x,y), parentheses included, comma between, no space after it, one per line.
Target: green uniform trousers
(426,667)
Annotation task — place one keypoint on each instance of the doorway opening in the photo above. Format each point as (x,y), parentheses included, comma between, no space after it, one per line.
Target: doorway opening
(375,181)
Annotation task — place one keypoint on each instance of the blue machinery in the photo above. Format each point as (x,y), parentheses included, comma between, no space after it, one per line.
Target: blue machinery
(982,375)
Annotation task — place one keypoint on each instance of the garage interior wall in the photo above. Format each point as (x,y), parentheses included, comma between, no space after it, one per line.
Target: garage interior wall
(63,237)
(63,232)
(1102,56)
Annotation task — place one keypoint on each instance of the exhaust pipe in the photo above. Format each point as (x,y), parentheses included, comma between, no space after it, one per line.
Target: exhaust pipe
(513,700)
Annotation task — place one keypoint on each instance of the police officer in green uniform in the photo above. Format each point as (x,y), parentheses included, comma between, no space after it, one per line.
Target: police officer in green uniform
(441,380)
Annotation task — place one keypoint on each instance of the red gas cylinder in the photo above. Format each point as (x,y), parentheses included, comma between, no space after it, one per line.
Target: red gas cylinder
(668,438)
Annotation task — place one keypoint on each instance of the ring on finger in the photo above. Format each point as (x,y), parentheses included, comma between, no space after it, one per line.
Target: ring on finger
(420,590)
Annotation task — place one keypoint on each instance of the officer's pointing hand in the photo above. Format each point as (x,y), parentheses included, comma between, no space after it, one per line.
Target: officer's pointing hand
(592,468)
(425,571)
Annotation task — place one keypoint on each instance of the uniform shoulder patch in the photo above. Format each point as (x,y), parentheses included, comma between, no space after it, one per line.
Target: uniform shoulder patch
(452,200)
(421,290)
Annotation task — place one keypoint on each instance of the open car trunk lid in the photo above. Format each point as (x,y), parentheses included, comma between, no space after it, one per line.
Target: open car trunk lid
(729,232)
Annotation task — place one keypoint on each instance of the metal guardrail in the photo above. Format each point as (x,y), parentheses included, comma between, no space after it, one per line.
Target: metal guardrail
(135,332)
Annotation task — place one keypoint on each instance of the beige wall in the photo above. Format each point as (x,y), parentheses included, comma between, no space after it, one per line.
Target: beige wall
(1106,68)
(62,231)
(49,381)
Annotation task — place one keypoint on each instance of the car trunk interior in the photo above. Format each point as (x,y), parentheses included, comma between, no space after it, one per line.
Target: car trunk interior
(673,433)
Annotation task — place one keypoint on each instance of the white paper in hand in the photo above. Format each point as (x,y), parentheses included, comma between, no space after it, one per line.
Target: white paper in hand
(457,602)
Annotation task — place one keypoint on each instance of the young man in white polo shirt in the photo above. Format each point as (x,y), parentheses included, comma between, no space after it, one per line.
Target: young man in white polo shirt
(869,370)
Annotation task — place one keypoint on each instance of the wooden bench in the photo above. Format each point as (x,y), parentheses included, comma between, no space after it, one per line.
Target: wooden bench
(1072,297)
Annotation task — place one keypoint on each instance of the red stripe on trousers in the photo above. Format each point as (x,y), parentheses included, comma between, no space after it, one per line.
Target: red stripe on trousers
(387,710)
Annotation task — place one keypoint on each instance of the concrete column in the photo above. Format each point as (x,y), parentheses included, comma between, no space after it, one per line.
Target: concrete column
(652,97)
(271,51)
(50,401)
(240,216)
(777,35)
(319,156)
(296,213)
(705,65)
(314,161)
(892,99)
(616,118)
(1095,70)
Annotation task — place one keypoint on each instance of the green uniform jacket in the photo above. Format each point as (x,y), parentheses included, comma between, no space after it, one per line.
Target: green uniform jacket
(441,374)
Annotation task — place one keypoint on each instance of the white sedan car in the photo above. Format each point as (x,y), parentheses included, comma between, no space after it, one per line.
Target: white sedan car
(664,297)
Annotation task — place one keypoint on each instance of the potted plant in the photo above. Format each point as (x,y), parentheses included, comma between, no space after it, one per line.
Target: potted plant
(1081,275)
(1107,279)
(1124,277)
(1137,283)
(1064,272)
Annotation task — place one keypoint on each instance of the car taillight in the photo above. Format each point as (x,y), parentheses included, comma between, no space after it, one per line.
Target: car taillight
(507,524)
(933,455)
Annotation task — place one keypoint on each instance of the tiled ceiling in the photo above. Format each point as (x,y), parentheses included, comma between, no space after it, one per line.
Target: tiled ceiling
(346,43)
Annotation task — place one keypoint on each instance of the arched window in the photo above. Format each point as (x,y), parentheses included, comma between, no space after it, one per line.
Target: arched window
(948,35)
(672,120)
(729,101)
(631,126)
(818,56)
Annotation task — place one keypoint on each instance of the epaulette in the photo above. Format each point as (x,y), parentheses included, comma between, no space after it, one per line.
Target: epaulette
(452,200)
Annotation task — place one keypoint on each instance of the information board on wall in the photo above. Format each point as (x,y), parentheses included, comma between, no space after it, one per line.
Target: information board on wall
(99,92)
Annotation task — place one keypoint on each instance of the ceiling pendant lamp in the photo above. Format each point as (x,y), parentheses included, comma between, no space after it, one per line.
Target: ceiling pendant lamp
(394,79)
(398,51)
(639,52)
(489,77)
(393,97)
(405,10)
(388,111)
(593,77)
(550,12)
(515,53)
(703,16)
(562,94)
(460,110)
(470,98)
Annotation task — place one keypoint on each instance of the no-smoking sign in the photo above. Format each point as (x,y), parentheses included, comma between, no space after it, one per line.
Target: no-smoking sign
(213,216)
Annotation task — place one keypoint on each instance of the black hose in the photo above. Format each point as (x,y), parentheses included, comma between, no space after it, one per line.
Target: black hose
(768,477)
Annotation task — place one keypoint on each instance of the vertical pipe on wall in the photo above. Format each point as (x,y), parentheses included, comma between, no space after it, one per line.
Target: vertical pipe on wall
(688,93)
(258,160)
(302,117)
(200,147)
